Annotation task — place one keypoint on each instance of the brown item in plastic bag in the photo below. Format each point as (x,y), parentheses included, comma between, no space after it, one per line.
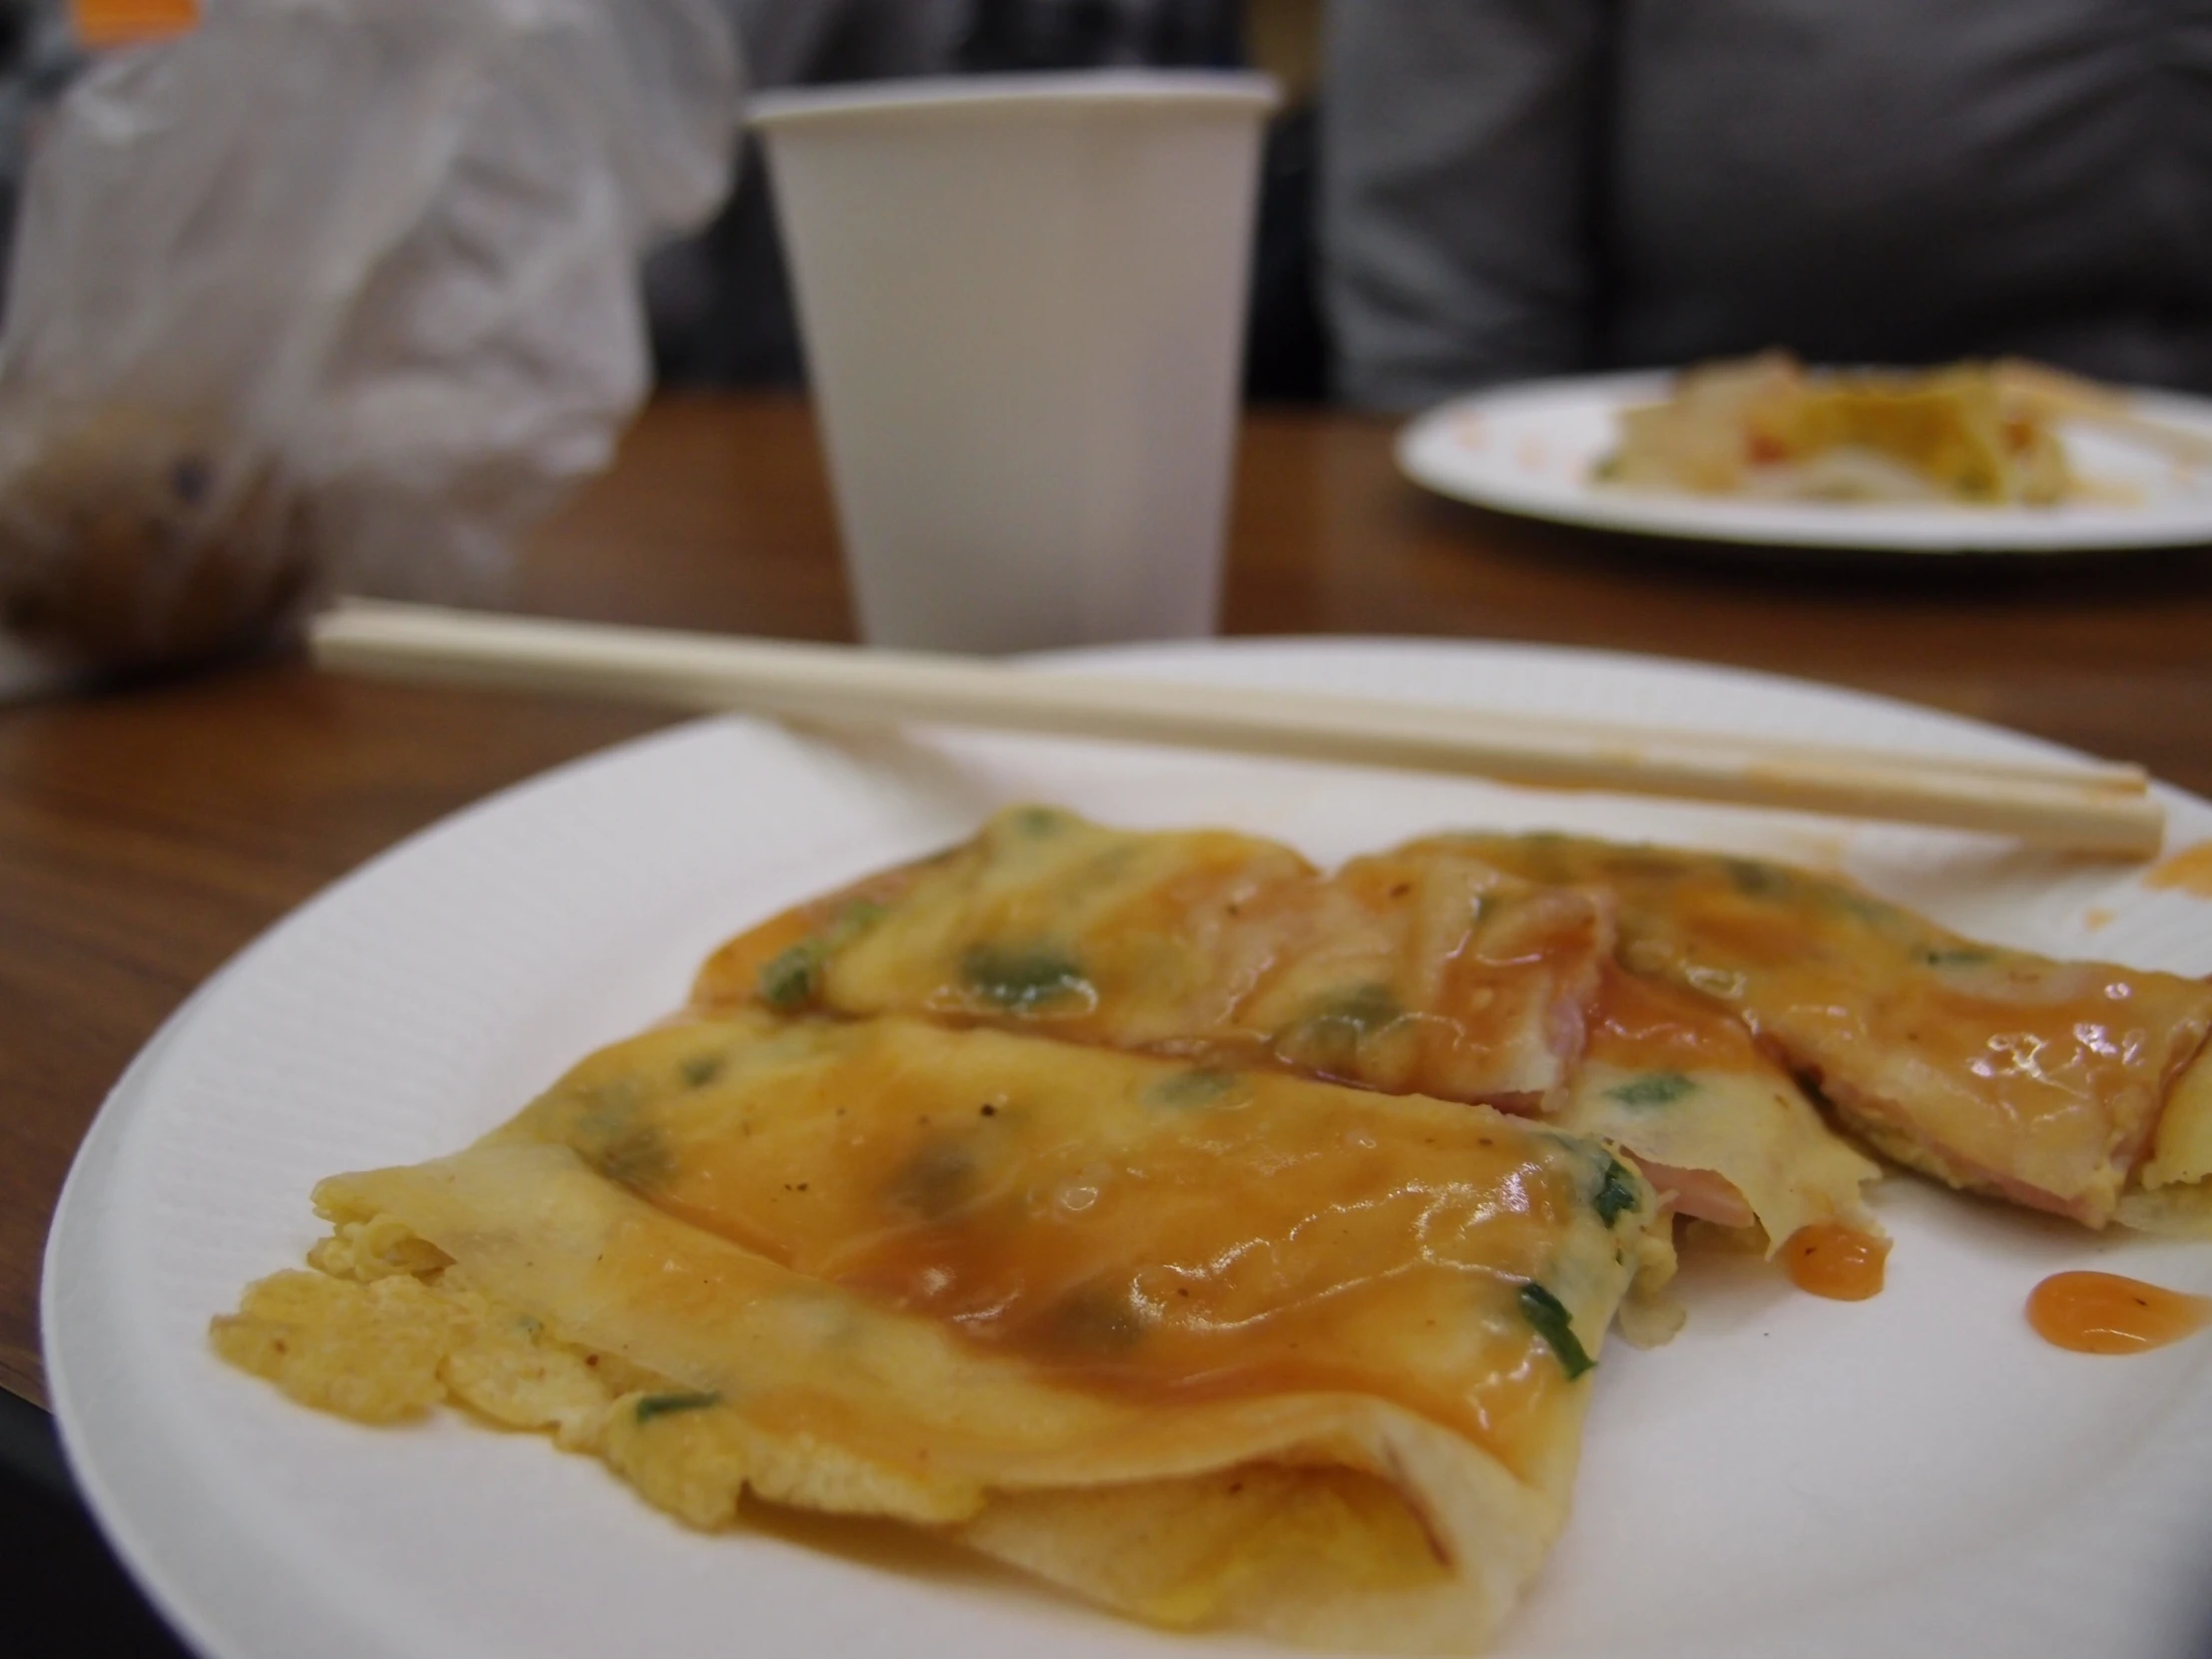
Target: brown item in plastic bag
(332,295)
(130,541)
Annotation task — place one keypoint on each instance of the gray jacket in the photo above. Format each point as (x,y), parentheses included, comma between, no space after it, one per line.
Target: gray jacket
(1518,188)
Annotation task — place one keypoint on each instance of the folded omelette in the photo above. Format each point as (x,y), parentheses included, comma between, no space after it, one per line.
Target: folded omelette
(1210,1346)
(1437,968)
(1685,1007)
(1223,1239)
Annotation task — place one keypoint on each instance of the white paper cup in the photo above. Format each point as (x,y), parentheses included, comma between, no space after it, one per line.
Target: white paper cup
(1022,299)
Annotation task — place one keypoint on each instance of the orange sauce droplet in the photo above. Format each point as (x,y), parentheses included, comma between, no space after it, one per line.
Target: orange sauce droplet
(2190,869)
(1837,1261)
(2102,1313)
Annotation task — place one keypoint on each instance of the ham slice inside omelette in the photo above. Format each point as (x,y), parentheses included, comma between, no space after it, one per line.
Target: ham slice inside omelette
(1678,1085)
(1210,1348)
(1995,1070)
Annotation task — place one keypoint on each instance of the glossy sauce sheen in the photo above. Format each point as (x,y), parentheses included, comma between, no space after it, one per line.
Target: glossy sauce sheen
(2103,1313)
(1436,975)
(1640,1025)
(1133,1224)
(1837,1261)
(2038,1080)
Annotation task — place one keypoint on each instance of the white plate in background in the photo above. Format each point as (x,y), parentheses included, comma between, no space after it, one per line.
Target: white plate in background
(1532,449)
(1917,1475)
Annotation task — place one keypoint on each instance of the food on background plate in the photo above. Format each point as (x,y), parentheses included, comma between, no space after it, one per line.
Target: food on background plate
(1980,435)
(1210,1348)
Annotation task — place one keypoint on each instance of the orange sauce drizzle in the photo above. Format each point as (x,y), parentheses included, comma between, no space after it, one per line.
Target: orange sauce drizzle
(731,975)
(1646,1025)
(2102,1313)
(1267,1235)
(2190,869)
(1840,1263)
(2039,1065)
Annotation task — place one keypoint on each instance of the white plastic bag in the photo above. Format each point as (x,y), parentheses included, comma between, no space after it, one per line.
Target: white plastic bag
(334,294)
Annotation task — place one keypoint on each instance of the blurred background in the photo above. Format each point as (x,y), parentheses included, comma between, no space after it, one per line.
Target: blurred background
(1458,194)
(720,299)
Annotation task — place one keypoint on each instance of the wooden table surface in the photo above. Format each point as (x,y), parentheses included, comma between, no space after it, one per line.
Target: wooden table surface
(147,834)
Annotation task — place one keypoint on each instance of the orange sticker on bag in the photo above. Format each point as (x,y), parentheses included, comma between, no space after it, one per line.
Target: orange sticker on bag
(101,23)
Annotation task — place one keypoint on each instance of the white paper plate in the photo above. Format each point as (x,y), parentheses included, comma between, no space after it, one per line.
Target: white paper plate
(1531,449)
(1915,1475)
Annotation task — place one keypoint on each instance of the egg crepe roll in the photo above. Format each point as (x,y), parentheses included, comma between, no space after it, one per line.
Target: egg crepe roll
(1424,969)
(1213,1348)
(1994,1070)
(1440,976)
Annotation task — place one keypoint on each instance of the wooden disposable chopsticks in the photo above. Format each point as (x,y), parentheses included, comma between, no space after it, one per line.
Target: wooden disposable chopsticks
(2083,808)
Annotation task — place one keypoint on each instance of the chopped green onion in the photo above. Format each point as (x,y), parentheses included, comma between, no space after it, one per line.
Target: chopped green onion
(1547,1315)
(1965,957)
(661,1405)
(1192,1088)
(1022,981)
(788,979)
(1654,1088)
(1618,1191)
